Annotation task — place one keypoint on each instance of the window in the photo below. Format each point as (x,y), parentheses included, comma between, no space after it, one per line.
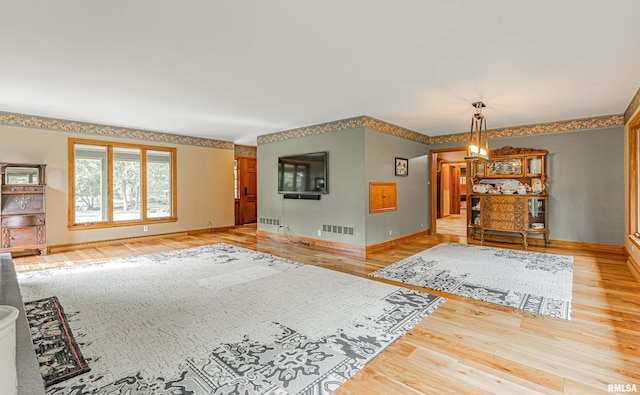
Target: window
(114,184)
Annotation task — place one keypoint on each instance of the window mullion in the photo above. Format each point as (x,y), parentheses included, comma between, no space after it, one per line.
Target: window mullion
(174,184)
(110,184)
(143,184)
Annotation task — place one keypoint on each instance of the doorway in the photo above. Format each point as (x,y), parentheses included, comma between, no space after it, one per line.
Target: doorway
(449,191)
(246,190)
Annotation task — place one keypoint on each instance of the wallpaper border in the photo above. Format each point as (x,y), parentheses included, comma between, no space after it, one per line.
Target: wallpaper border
(246,150)
(568,126)
(572,125)
(345,124)
(63,125)
(633,106)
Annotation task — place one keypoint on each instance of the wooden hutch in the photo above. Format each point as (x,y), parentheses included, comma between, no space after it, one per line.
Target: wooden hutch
(22,214)
(507,194)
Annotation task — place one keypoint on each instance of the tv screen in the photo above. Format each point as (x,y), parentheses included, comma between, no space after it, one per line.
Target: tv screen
(303,174)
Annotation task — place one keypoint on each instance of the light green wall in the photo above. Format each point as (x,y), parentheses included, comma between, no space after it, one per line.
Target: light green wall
(204,184)
(585,182)
(585,185)
(356,157)
(412,214)
(342,206)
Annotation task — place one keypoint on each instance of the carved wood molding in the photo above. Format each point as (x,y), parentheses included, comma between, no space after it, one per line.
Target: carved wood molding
(5,238)
(507,150)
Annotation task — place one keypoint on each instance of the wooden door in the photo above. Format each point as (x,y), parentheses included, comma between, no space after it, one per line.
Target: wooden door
(454,190)
(445,190)
(248,191)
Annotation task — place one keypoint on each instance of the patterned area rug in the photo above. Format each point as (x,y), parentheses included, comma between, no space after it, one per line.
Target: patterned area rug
(56,348)
(524,280)
(226,320)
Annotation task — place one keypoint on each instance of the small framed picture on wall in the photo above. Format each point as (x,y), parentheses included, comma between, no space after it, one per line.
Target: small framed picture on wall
(402,167)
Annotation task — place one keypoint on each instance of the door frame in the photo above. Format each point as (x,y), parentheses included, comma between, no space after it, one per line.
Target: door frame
(433,182)
(240,201)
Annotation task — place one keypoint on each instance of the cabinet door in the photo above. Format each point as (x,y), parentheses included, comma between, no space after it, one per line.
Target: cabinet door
(536,209)
(382,196)
(535,166)
(19,237)
(476,217)
(503,212)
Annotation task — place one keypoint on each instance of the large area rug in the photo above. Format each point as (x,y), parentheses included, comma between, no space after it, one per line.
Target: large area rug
(530,281)
(222,319)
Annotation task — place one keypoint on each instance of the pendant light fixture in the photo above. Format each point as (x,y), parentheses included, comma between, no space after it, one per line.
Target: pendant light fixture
(478,142)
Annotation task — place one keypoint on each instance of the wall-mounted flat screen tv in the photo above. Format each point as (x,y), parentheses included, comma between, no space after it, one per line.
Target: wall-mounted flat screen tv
(303,173)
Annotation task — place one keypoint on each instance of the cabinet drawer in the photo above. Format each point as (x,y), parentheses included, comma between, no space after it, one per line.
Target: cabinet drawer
(23,204)
(22,220)
(22,188)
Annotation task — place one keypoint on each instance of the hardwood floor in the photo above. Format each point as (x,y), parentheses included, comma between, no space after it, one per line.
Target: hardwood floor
(454,224)
(465,346)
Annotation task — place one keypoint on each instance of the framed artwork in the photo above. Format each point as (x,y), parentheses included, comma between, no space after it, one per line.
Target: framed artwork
(402,167)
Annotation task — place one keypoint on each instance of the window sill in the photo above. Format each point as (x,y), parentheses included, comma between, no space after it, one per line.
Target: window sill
(105,225)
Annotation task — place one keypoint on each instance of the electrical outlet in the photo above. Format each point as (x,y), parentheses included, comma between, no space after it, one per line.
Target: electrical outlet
(421,226)
(145,228)
(319,233)
(390,232)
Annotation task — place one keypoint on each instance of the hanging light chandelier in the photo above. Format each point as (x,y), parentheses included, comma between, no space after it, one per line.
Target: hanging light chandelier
(478,141)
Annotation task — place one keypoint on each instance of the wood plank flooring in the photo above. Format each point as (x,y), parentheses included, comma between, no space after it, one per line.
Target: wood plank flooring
(466,346)
(454,224)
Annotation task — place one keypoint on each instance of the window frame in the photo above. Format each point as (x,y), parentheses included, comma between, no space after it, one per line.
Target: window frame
(632,129)
(110,223)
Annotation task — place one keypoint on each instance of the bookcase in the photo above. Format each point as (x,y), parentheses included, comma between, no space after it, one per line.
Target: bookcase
(507,194)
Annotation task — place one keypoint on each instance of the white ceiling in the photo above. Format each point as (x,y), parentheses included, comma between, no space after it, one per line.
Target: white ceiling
(233,70)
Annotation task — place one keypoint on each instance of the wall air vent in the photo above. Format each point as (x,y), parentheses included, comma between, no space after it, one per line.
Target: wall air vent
(269,221)
(338,229)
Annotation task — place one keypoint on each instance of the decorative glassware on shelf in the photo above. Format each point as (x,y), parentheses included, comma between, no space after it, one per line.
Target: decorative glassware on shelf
(536,185)
(475,211)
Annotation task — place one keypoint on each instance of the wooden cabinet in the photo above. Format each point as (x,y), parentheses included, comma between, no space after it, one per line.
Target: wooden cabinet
(22,210)
(507,194)
(382,196)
